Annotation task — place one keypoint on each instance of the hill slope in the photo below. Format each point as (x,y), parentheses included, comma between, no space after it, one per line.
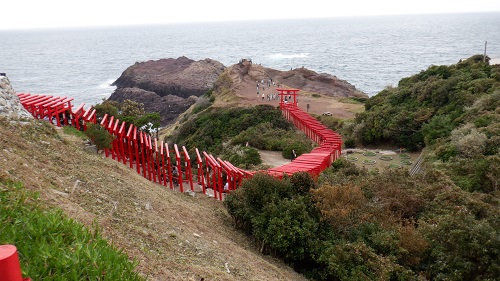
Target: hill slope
(173,236)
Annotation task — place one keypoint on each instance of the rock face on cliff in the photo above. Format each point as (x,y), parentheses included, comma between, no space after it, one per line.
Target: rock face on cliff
(300,78)
(167,86)
(169,106)
(181,77)
(10,105)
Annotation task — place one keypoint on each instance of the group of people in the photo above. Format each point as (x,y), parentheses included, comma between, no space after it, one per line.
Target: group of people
(263,84)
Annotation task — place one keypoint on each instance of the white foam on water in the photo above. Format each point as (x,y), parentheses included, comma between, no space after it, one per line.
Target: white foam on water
(107,84)
(288,56)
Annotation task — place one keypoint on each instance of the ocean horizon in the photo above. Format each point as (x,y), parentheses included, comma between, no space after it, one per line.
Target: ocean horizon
(369,52)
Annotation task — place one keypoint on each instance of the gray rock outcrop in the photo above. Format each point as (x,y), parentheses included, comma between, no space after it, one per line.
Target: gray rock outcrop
(169,106)
(167,86)
(10,105)
(181,77)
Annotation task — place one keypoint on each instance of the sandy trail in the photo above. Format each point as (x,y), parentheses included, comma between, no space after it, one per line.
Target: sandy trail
(273,158)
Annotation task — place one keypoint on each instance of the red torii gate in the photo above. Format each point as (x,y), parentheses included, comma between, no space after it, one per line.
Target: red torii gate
(49,107)
(286,96)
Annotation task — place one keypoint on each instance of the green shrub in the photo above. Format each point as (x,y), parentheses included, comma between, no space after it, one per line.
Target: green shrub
(349,143)
(244,157)
(299,147)
(280,216)
(99,136)
(302,182)
(462,248)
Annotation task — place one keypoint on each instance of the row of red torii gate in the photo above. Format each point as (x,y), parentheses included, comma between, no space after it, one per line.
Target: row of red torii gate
(171,165)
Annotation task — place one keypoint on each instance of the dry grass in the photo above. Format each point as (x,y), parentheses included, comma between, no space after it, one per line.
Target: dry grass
(174,236)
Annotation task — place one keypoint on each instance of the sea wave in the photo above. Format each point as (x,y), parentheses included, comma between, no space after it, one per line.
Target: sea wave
(288,56)
(106,84)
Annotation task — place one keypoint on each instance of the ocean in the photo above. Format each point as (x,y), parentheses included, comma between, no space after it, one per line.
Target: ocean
(369,52)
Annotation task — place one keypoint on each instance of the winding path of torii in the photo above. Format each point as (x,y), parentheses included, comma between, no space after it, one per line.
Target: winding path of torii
(159,162)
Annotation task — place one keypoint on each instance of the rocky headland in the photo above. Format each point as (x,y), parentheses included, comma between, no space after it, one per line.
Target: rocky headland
(170,86)
(304,79)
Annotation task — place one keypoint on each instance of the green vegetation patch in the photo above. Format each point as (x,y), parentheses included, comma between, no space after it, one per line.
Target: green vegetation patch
(450,111)
(385,158)
(369,153)
(54,247)
(352,158)
(70,130)
(369,162)
(354,100)
(406,162)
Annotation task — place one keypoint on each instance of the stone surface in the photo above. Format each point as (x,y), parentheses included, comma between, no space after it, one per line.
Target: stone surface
(181,77)
(10,105)
(169,107)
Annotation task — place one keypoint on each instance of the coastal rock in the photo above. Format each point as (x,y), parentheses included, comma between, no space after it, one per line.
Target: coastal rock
(300,78)
(167,86)
(169,106)
(181,77)
(10,105)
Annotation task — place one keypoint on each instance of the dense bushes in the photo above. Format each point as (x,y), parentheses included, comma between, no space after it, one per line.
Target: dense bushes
(410,114)
(447,109)
(130,112)
(280,216)
(372,226)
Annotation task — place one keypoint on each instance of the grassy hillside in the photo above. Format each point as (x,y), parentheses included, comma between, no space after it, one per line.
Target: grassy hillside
(172,236)
(355,224)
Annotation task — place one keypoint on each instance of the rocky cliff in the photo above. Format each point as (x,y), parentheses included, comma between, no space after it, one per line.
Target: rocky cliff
(10,106)
(169,106)
(167,86)
(181,77)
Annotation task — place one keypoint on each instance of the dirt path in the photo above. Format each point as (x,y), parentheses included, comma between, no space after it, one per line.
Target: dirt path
(273,158)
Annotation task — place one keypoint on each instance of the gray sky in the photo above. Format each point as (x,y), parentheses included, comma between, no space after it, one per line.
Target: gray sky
(23,14)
